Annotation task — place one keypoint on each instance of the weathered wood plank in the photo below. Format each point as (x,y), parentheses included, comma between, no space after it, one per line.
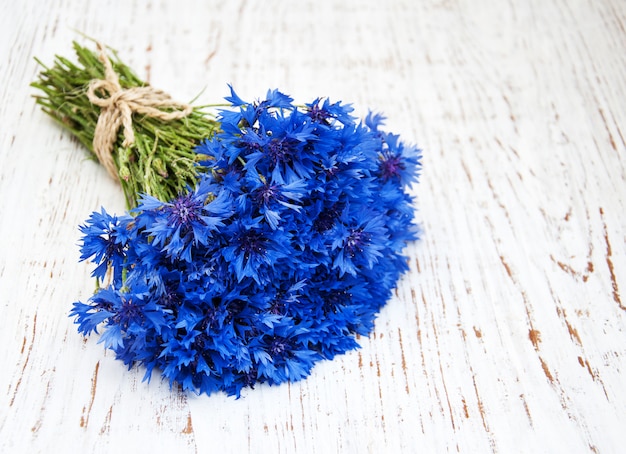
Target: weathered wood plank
(508,333)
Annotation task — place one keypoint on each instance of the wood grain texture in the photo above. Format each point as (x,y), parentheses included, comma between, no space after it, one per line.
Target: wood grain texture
(507,335)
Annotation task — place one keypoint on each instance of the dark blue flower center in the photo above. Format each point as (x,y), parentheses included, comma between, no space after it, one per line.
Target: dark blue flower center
(326,219)
(391,167)
(170,298)
(281,347)
(266,193)
(318,114)
(335,299)
(201,342)
(184,210)
(356,241)
(278,306)
(250,377)
(127,313)
(277,150)
(252,242)
(113,249)
(281,150)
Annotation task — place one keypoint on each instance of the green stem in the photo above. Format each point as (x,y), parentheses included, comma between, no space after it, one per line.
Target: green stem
(161,162)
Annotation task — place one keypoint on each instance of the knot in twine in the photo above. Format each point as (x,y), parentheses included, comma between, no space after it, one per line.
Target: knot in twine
(117,110)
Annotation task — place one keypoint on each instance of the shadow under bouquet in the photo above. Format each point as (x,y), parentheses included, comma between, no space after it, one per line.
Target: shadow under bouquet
(258,240)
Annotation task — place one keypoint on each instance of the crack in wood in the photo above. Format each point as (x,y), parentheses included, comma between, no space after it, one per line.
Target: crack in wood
(26,361)
(609,262)
(84,418)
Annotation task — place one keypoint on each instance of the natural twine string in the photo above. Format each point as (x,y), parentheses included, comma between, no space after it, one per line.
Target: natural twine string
(117,110)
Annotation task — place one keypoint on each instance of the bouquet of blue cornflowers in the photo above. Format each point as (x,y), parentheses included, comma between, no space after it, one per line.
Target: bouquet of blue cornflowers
(280,252)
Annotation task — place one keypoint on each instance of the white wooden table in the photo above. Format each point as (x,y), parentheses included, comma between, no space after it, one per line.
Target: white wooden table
(509,332)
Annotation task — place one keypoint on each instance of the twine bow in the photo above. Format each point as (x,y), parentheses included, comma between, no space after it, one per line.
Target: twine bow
(117,110)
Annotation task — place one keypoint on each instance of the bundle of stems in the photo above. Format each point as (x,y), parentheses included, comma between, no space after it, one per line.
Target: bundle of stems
(162,161)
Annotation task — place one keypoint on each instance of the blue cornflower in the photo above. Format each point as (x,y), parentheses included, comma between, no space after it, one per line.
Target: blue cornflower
(126,315)
(281,352)
(254,249)
(283,252)
(105,238)
(326,113)
(396,161)
(188,220)
(272,196)
(359,241)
